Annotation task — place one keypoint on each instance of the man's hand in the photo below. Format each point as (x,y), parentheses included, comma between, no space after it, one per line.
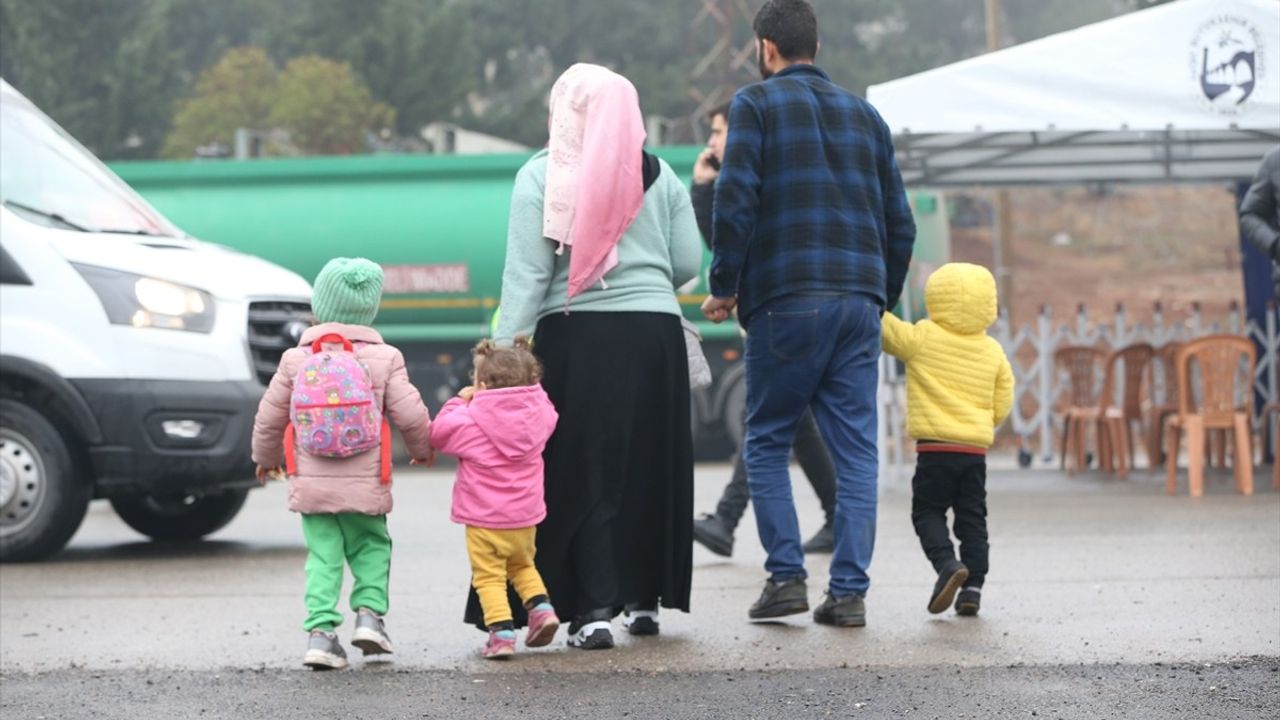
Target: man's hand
(717,309)
(703,171)
(265,473)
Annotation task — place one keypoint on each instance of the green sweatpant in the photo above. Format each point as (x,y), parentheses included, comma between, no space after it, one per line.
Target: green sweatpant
(363,542)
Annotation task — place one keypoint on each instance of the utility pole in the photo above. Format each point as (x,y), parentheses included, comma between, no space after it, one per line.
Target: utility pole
(1000,200)
(727,64)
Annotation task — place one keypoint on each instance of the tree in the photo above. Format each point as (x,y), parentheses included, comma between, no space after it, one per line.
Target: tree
(237,92)
(63,56)
(326,107)
(417,56)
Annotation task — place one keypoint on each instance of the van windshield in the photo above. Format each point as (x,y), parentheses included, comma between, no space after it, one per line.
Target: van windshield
(49,178)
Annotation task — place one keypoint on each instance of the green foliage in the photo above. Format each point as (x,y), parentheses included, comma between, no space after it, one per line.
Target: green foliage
(237,92)
(326,108)
(121,75)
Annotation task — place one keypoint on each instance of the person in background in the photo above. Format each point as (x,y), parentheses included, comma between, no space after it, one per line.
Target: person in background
(1260,212)
(959,389)
(715,530)
(812,238)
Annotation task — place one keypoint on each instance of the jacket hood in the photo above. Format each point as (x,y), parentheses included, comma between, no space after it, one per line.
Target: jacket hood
(961,298)
(517,420)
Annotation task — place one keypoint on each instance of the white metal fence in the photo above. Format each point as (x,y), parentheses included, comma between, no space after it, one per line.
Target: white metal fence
(1031,347)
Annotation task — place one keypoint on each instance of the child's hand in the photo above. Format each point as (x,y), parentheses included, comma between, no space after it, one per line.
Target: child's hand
(467,393)
(266,473)
(429,460)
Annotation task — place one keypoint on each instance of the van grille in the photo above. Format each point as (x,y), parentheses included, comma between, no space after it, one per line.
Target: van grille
(270,326)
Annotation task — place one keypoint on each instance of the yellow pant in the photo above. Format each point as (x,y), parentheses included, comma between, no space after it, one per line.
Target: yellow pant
(498,556)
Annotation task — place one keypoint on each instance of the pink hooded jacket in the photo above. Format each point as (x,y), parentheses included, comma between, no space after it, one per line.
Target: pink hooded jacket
(498,439)
(332,485)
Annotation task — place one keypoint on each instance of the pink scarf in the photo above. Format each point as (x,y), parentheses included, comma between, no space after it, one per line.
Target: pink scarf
(594,185)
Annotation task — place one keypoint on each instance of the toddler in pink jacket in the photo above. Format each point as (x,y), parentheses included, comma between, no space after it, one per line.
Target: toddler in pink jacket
(497,429)
(342,375)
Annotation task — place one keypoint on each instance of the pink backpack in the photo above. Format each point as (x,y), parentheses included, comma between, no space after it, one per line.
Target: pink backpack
(333,410)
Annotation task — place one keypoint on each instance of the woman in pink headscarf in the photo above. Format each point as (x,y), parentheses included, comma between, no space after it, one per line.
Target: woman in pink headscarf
(601,233)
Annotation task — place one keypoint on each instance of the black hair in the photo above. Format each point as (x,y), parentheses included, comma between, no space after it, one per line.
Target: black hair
(722,109)
(791,25)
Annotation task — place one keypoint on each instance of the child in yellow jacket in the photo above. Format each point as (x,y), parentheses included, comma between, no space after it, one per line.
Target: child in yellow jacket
(959,388)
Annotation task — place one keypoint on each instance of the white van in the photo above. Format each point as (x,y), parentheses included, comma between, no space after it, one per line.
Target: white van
(132,356)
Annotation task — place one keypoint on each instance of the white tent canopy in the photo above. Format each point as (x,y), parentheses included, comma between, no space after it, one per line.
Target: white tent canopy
(1188,91)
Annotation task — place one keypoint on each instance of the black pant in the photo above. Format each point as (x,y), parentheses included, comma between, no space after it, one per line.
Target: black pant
(955,481)
(814,459)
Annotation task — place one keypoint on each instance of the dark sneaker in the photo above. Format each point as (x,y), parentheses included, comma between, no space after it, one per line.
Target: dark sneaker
(324,652)
(968,602)
(641,622)
(950,578)
(714,534)
(596,635)
(780,599)
(823,541)
(371,633)
(848,611)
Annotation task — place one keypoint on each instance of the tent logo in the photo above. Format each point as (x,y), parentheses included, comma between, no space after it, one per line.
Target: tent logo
(1226,61)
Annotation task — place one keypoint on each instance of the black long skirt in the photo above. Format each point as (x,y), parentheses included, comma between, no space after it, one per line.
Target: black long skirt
(619,468)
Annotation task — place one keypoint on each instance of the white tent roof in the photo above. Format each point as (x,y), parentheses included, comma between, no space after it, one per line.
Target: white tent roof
(1186,91)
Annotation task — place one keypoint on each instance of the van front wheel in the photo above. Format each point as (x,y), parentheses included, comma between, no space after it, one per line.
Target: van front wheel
(181,516)
(43,497)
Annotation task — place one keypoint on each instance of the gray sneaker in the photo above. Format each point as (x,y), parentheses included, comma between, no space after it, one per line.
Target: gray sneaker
(371,634)
(848,611)
(324,652)
(781,598)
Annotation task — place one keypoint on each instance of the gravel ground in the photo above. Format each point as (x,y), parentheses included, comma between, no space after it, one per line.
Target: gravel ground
(1248,688)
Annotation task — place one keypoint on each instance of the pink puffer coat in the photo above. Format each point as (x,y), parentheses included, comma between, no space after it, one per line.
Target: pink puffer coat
(331,485)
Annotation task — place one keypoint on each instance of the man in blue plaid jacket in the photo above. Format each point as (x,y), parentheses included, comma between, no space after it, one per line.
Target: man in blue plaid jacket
(812,238)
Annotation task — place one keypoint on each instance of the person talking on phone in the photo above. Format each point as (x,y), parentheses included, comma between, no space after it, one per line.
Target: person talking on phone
(715,530)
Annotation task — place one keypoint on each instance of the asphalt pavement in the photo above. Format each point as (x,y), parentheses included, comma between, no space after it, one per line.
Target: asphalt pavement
(1106,599)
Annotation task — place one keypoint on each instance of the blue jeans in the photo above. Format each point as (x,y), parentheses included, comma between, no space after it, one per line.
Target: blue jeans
(821,352)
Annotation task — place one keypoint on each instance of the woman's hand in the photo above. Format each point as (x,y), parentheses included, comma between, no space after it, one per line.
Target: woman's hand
(467,393)
(429,460)
(265,473)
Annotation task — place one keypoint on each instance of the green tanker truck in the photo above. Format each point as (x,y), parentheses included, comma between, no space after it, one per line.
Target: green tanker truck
(438,226)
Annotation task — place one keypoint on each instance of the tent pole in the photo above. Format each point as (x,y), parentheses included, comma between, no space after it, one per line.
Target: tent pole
(1000,203)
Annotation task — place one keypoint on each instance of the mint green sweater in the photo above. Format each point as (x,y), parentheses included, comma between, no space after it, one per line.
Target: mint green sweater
(658,253)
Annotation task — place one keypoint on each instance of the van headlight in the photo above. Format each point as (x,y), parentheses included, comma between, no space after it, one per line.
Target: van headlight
(147,302)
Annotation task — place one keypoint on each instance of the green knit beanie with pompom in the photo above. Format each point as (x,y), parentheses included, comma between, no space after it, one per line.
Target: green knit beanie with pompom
(347,290)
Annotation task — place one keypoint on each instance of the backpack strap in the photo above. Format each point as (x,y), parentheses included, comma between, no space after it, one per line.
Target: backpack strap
(290,451)
(385,449)
(318,345)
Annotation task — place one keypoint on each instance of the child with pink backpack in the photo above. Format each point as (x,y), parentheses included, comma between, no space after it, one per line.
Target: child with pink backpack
(326,417)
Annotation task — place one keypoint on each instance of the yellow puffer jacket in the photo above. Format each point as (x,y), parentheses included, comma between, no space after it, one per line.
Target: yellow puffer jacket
(959,382)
